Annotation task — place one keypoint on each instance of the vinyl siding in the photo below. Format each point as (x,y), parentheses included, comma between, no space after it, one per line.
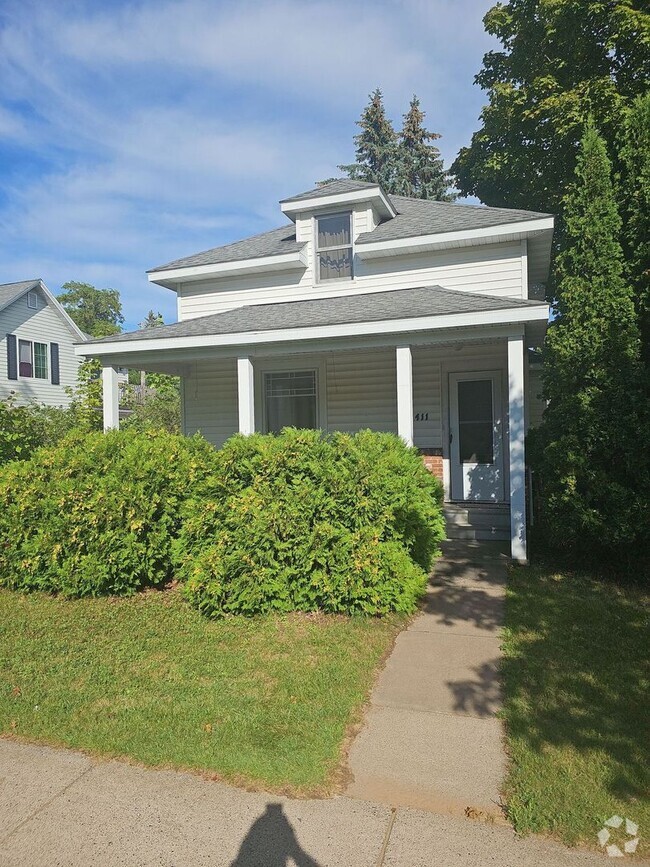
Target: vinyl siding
(360,388)
(495,269)
(43,325)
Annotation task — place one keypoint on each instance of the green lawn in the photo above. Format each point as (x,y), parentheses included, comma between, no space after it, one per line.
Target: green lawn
(265,700)
(576,709)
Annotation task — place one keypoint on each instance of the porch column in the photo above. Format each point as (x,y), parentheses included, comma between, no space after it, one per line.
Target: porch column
(246,395)
(404,364)
(516,434)
(110,397)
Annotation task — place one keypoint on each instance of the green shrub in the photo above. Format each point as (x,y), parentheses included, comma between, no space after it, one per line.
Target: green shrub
(97,513)
(26,427)
(302,521)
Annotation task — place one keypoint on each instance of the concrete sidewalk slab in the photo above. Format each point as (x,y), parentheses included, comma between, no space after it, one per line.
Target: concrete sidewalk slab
(432,739)
(419,839)
(407,758)
(454,674)
(116,814)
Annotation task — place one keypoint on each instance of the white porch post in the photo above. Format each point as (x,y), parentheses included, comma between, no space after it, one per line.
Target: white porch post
(516,434)
(110,397)
(404,364)
(246,395)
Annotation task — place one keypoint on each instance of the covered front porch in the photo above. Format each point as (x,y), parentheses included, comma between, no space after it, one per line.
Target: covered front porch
(459,397)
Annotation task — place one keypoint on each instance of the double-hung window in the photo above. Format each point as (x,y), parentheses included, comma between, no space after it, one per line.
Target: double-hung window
(334,246)
(290,400)
(32,359)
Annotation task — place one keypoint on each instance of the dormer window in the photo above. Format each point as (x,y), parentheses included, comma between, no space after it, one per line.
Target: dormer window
(334,246)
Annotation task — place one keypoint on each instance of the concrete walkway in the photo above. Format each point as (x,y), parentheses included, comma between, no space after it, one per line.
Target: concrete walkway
(431,738)
(60,809)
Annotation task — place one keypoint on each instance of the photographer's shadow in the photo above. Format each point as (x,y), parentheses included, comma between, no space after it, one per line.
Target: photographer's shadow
(271,842)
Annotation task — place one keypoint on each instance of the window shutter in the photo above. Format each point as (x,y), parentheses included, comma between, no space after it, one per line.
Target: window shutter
(54,363)
(12,357)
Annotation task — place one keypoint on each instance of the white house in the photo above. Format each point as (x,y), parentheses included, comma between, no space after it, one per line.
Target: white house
(366,311)
(37,357)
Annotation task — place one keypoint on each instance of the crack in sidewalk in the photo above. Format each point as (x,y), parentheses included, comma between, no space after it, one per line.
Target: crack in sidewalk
(43,806)
(384,845)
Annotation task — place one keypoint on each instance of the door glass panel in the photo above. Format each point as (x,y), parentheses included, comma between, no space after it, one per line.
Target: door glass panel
(290,400)
(475,421)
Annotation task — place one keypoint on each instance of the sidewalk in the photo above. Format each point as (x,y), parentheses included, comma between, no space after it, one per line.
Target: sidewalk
(431,738)
(61,809)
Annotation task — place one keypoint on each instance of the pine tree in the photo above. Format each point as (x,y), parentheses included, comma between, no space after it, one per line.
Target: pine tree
(376,146)
(152,320)
(589,449)
(634,198)
(420,170)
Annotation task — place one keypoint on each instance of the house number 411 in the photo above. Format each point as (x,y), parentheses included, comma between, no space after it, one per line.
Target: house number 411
(422,416)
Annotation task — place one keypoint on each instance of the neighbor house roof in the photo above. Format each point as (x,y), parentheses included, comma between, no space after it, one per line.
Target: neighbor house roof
(10,291)
(414,217)
(424,301)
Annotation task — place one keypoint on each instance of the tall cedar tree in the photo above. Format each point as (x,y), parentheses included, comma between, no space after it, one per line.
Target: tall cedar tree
(562,61)
(420,172)
(634,199)
(376,146)
(589,449)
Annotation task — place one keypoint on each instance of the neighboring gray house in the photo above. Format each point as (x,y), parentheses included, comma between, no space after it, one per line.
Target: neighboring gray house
(367,310)
(37,359)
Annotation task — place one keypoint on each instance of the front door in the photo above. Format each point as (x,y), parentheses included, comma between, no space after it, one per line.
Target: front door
(476,440)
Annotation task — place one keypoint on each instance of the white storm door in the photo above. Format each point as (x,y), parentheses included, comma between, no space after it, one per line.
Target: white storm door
(476,437)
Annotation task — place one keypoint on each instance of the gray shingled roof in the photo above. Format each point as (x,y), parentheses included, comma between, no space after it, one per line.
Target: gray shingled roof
(10,291)
(414,217)
(368,307)
(426,217)
(340,185)
(273,243)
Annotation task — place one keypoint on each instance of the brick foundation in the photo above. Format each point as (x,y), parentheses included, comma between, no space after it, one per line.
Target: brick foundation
(432,459)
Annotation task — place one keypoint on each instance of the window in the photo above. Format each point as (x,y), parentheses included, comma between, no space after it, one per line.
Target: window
(290,400)
(32,359)
(475,421)
(32,300)
(25,362)
(334,247)
(40,360)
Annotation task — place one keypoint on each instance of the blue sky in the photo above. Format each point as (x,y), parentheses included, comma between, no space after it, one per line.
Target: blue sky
(134,133)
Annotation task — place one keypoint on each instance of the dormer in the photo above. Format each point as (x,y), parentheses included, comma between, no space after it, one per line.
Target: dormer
(331,217)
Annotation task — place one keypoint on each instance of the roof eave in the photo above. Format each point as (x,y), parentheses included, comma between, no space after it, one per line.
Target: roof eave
(515,316)
(170,277)
(383,205)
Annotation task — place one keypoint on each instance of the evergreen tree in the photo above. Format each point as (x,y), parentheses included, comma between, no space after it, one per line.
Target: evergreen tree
(420,173)
(589,450)
(152,320)
(634,198)
(376,146)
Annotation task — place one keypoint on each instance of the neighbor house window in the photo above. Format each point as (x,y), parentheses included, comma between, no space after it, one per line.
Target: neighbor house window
(290,400)
(32,359)
(32,300)
(334,247)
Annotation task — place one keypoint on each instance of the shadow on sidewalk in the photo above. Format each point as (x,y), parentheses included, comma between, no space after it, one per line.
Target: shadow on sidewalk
(271,842)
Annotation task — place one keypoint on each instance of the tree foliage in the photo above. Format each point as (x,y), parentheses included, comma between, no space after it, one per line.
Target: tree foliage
(562,61)
(589,450)
(634,200)
(376,146)
(408,164)
(97,312)
(420,171)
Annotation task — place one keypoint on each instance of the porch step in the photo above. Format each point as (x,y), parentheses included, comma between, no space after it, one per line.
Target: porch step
(478,521)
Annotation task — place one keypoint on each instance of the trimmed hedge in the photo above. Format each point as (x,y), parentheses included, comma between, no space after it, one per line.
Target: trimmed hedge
(97,513)
(301,521)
